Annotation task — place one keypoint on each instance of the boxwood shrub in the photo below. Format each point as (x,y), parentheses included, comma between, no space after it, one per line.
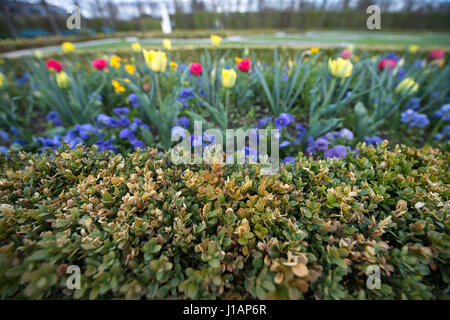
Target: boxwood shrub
(139,227)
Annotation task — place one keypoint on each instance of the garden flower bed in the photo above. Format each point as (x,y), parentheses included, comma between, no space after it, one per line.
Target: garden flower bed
(87,178)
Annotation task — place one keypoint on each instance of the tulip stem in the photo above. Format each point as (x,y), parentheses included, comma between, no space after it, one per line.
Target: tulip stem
(330,91)
(227,102)
(158,91)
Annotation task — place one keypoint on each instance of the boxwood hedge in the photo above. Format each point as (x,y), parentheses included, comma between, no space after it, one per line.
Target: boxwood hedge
(139,227)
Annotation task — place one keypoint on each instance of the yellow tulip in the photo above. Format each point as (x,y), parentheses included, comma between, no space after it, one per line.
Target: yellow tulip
(136,47)
(215,40)
(156,60)
(117,86)
(114,61)
(167,44)
(237,59)
(315,50)
(38,54)
(407,84)
(228,78)
(413,48)
(68,47)
(173,65)
(340,68)
(2,80)
(129,68)
(63,80)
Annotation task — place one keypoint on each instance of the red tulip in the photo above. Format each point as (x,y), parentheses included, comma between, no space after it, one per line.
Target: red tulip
(99,64)
(386,63)
(196,68)
(436,54)
(346,54)
(244,65)
(54,65)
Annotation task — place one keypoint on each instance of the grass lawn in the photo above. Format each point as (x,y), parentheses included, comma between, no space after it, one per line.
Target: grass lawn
(364,38)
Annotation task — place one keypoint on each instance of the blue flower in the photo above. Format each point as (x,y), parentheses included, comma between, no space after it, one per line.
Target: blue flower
(375,140)
(197,140)
(123,121)
(182,121)
(73,142)
(178,131)
(126,134)
(20,141)
(264,121)
(311,145)
(14,130)
(133,98)
(103,119)
(443,112)
(85,130)
(322,143)
(53,117)
(414,118)
(23,79)
(284,144)
(414,104)
(137,144)
(4,136)
(106,145)
(288,160)
(3,150)
(99,97)
(53,142)
(300,127)
(338,151)
(346,134)
(283,120)
(119,111)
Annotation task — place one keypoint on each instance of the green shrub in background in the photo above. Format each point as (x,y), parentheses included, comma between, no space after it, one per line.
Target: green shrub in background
(140,227)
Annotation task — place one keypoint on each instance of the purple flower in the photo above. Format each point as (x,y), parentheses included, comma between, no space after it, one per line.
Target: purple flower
(338,151)
(283,120)
(311,145)
(4,136)
(322,144)
(375,140)
(106,145)
(103,119)
(119,111)
(414,118)
(14,130)
(346,134)
(178,131)
(443,112)
(414,104)
(284,144)
(288,160)
(53,117)
(137,144)
(133,98)
(300,127)
(126,134)
(85,130)
(182,121)
(264,121)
